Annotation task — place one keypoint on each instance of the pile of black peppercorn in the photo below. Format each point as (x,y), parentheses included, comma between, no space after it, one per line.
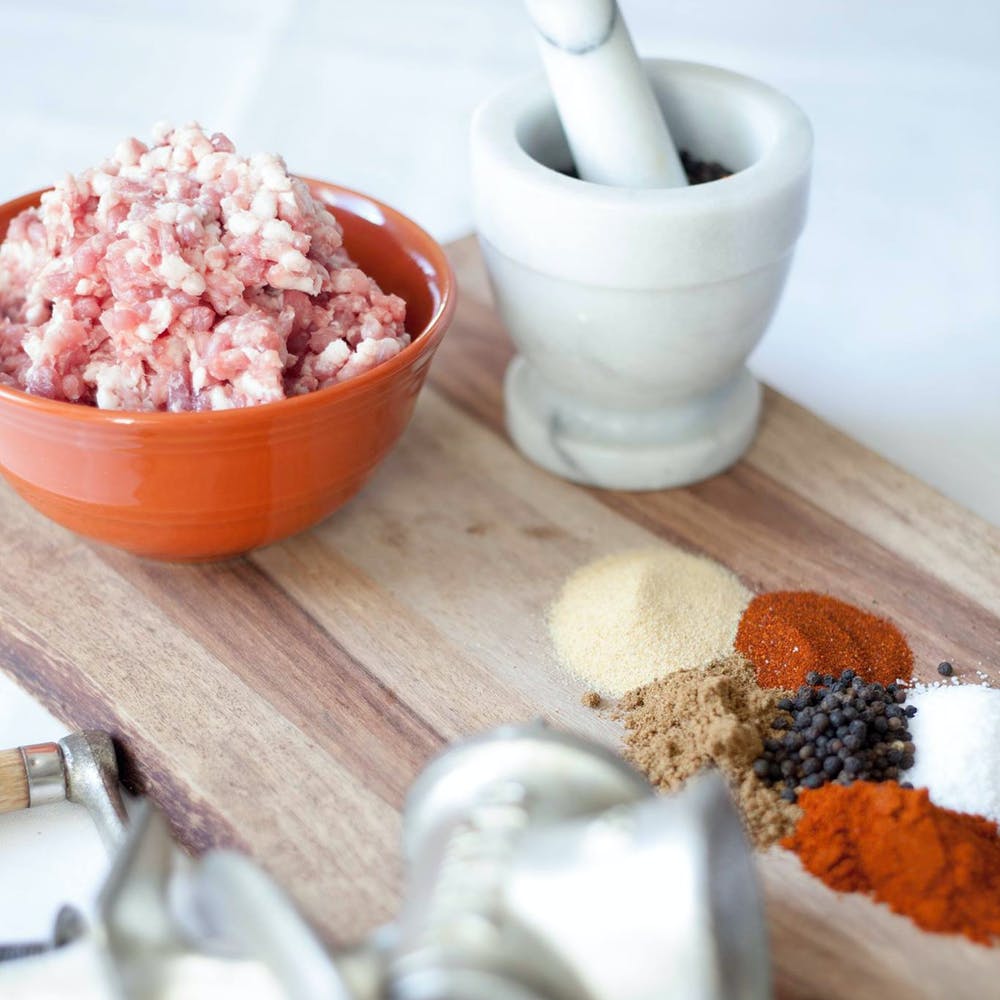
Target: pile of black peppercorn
(837,729)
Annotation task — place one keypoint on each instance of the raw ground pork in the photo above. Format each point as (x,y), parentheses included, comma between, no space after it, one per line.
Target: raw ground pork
(184,277)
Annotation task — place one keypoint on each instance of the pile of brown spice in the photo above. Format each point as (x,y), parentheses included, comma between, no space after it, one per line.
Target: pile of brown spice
(714,716)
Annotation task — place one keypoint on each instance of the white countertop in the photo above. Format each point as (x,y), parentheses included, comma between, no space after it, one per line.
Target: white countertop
(890,326)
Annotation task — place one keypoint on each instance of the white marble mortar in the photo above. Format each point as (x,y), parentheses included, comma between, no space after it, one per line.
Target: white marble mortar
(634,310)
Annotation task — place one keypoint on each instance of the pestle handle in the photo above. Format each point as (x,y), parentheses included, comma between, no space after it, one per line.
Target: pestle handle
(609,112)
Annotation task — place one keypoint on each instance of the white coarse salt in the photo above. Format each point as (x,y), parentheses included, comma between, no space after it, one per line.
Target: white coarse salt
(956,732)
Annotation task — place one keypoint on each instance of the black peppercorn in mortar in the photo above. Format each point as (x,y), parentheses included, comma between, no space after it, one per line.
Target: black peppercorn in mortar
(702,171)
(837,729)
(696,170)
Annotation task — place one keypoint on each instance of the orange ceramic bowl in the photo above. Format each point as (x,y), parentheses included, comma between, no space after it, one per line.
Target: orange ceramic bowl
(195,486)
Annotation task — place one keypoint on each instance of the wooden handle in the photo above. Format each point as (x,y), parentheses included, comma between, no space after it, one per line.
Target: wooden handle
(13,781)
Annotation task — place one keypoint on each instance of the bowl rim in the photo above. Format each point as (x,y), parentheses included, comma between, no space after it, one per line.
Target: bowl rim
(429,255)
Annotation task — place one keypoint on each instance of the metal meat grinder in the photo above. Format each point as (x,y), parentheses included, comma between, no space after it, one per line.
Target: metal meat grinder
(540,867)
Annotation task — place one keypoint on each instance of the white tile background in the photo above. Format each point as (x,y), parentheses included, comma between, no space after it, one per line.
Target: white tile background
(890,327)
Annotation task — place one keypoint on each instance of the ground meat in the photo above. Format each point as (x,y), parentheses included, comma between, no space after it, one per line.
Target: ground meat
(182,276)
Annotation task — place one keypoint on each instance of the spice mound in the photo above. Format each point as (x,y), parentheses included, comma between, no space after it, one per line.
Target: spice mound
(937,867)
(788,634)
(628,618)
(957,732)
(837,730)
(181,276)
(718,716)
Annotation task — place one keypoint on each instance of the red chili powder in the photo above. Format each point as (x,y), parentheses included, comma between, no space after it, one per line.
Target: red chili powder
(938,867)
(788,633)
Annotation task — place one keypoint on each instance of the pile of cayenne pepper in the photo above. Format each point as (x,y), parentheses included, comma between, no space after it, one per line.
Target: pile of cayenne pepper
(938,867)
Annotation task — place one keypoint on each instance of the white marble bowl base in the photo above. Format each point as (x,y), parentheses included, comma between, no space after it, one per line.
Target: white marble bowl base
(656,450)
(634,310)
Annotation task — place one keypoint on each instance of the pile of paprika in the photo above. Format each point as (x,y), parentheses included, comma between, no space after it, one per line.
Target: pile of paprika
(788,635)
(938,867)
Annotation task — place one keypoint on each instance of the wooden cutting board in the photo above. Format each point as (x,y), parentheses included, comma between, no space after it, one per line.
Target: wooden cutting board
(284,702)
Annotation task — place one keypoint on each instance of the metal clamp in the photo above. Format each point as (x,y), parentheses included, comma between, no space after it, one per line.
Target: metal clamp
(43,766)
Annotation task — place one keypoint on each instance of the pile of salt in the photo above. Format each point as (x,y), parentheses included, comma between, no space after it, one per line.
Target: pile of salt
(957,734)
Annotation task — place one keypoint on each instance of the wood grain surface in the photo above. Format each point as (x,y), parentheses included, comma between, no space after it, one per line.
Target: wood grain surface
(283,703)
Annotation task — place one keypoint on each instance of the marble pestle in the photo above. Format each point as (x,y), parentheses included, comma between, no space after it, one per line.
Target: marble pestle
(613,123)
